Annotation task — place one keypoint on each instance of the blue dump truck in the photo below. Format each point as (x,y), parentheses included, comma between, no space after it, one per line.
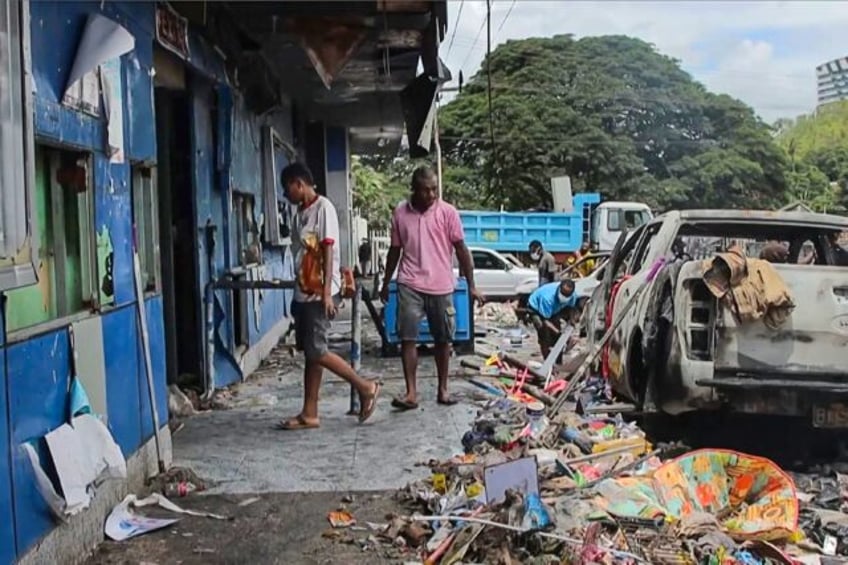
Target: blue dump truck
(559,232)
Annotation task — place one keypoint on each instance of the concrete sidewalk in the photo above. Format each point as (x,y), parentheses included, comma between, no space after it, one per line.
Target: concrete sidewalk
(240,451)
(300,476)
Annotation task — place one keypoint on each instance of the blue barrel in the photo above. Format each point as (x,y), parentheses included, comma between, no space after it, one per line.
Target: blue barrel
(460,304)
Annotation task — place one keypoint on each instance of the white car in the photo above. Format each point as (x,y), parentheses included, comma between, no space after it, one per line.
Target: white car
(499,278)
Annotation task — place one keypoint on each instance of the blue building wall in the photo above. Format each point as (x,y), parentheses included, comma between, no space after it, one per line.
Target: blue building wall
(35,371)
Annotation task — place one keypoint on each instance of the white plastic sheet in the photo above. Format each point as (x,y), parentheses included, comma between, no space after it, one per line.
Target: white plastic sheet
(102,40)
(82,452)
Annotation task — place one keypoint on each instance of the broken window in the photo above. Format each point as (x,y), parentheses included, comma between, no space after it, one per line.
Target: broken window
(247,236)
(16,148)
(64,240)
(145,206)
(276,155)
(644,246)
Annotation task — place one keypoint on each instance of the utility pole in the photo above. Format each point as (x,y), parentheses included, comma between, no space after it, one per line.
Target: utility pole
(438,145)
(489,88)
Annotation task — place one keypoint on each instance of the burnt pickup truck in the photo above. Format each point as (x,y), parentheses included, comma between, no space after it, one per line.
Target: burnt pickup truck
(679,349)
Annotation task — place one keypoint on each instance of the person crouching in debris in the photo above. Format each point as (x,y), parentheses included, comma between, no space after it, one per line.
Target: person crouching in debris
(546,305)
(316,296)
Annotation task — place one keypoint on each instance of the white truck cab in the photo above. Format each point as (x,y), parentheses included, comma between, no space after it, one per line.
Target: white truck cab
(609,219)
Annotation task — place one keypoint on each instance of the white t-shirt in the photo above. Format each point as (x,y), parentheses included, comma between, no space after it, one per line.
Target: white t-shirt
(315,225)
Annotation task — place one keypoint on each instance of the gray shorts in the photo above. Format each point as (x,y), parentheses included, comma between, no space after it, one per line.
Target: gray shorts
(311,327)
(413,306)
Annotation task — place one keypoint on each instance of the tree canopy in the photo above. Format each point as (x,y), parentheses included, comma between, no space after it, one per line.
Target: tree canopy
(817,149)
(621,119)
(618,118)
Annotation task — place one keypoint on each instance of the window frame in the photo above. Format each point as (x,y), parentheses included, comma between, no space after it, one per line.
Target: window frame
(245,228)
(90,276)
(18,255)
(490,257)
(271,232)
(617,213)
(640,252)
(137,170)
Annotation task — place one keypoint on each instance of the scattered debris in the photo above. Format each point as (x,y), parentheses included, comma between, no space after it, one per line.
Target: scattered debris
(179,404)
(341,519)
(176,481)
(501,314)
(249,501)
(123,523)
(553,473)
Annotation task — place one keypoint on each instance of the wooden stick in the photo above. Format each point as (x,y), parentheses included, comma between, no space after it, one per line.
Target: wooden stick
(523,365)
(582,372)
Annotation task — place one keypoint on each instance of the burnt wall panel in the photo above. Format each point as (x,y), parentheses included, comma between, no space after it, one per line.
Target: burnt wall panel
(7,533)
(113,220)
(38,376)
(121,357)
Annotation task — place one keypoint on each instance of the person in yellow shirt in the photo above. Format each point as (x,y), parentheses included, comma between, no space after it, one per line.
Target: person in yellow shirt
(585,268)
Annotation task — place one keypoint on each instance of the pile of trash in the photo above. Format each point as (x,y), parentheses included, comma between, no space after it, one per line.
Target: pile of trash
(498,313)
(552,473)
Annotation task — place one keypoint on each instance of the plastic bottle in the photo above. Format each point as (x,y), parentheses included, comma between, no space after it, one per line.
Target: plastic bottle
(536,419)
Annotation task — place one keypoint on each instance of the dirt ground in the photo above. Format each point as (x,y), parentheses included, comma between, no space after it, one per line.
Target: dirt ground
(279,529)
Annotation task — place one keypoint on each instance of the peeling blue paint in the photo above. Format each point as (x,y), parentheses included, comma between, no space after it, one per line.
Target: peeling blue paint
(226,156)
(38,378)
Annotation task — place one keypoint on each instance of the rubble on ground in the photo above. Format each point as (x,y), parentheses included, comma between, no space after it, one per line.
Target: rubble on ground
(498,313)
(552,473)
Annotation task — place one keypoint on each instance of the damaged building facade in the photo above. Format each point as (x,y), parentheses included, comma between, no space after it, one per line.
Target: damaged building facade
(155,132)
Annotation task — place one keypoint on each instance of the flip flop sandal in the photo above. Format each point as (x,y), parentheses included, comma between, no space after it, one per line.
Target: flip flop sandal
(371,404)
(296,423)
(449,401)
(403,405)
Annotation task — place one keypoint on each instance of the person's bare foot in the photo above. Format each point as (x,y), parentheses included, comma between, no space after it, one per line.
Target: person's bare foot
(404,403)
(369,403)
(299,422)
(446,399)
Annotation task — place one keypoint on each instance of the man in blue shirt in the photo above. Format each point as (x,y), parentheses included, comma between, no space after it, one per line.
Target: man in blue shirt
(545,304)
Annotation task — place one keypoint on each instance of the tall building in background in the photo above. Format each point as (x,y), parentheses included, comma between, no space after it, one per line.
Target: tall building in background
(832,81)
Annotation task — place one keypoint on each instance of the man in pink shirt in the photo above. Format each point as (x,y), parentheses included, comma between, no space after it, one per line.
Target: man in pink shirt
(425,234)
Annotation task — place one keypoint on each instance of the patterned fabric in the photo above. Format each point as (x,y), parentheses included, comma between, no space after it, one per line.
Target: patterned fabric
(751,496)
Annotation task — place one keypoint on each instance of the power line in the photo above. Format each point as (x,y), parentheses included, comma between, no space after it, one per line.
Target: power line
(473,45)
(455,26)
(489,89)
(506,17)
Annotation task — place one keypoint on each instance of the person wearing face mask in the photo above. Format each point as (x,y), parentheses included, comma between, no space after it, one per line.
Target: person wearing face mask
(545,261)
(546,305)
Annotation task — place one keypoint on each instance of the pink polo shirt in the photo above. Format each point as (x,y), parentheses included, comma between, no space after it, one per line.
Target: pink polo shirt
(427,241)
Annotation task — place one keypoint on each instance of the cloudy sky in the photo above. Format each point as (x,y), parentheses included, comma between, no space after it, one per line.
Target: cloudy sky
(763,53)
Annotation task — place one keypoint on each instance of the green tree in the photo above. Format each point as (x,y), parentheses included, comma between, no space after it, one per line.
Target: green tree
(817,150)
(618,118)
(374,194)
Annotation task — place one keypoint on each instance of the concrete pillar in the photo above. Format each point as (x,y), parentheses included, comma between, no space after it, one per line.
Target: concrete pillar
(338,189)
